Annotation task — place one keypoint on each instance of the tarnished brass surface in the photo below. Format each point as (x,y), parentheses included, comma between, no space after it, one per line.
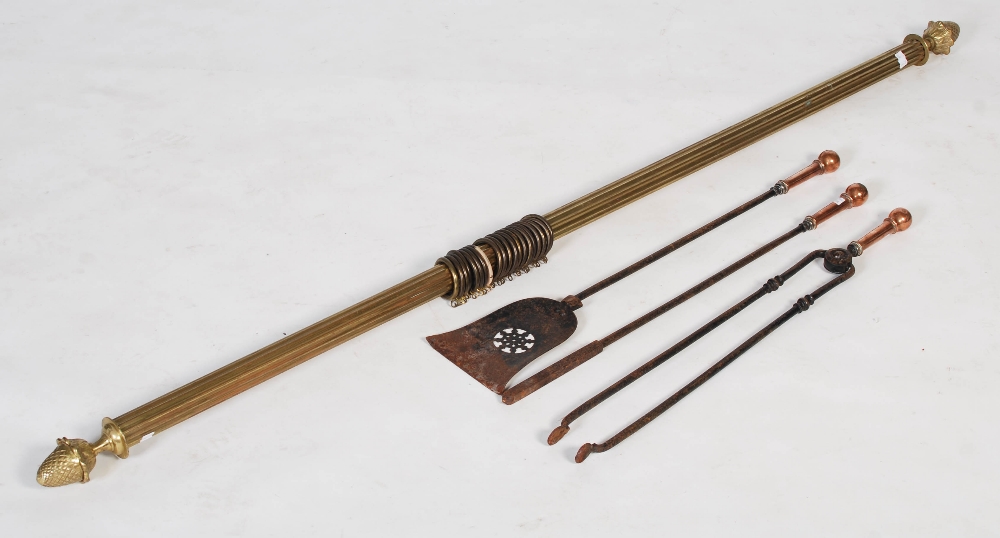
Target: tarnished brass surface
(72,462)
(234,378)
(941,36)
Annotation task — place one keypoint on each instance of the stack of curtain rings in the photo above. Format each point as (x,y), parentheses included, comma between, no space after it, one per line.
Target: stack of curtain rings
(517,248)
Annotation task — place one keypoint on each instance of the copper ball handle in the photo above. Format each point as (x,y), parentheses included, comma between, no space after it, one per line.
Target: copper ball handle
(899,220)
(827,162)
(854,195)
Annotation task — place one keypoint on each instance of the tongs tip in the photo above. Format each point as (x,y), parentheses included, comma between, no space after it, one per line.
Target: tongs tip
(558,434)
(584,451)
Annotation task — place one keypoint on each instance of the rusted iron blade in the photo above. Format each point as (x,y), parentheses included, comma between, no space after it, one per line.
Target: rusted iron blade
(495,348)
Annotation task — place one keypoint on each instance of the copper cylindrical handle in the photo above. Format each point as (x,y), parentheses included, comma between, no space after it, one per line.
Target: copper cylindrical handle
(855,195)
(827,162)
(899,219)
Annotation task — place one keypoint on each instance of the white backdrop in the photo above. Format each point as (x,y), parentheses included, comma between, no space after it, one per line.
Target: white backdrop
(183,183)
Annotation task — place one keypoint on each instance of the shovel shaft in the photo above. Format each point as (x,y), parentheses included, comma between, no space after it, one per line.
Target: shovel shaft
(659,254)
(827,162)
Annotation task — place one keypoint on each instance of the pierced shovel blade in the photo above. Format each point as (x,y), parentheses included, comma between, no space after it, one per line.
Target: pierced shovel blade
(495,348)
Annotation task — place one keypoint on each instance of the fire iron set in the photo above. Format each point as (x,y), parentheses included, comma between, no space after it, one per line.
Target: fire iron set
(495,348)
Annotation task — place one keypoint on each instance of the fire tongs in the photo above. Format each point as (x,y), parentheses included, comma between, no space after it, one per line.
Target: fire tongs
(838,261)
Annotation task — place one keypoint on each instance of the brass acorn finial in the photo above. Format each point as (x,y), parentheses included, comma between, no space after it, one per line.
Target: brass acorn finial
(73,459)
(941,36)
(70,462)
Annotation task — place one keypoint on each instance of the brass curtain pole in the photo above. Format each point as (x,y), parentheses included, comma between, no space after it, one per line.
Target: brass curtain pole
(461,273)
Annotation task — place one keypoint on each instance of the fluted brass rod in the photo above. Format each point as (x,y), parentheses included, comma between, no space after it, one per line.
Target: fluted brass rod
(73,459)
(595,205)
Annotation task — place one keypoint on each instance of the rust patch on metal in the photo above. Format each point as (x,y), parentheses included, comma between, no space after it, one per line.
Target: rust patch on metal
(495,348)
